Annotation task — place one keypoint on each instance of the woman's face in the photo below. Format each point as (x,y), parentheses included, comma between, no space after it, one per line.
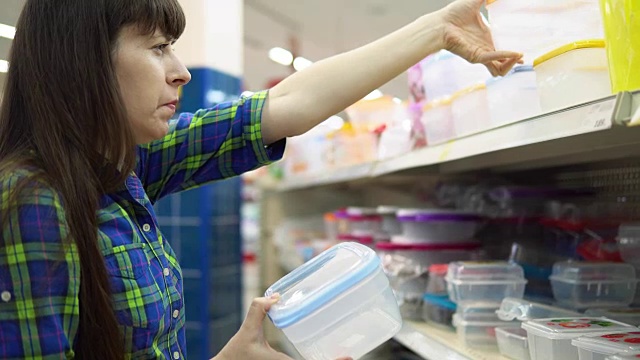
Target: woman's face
(149,74)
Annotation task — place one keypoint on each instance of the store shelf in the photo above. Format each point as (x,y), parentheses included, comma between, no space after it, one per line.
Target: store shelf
(435,343)
(598,128)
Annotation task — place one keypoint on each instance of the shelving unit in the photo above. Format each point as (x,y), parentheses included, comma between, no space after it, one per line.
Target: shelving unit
(583,135)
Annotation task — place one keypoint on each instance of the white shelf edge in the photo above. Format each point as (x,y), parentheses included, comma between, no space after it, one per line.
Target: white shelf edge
(596,116)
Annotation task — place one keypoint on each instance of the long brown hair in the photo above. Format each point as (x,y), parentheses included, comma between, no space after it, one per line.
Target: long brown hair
(63,113)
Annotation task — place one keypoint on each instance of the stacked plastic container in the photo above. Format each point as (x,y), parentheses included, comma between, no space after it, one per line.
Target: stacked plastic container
(625,356)
(362,225)
(478,289)
(437,308)
(599,347)
(629,244)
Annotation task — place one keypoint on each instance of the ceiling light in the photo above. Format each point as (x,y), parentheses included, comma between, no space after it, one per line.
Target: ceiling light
(281,56)
(301,63)
(4,66)
(7,31)
(375,94)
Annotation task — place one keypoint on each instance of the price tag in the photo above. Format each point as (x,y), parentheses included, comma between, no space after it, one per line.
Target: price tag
(598,116)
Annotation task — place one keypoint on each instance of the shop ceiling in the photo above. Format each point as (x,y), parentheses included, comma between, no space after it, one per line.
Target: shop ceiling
(321,27)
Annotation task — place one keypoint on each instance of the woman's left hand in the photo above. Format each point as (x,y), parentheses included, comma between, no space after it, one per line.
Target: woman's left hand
(466,35)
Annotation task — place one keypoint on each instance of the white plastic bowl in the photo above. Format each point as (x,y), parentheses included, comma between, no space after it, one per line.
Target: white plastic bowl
(513,97)
(599,347)
(573,74)
(337,304)
(513,343)
(470,110)
(550,339)
(437,226)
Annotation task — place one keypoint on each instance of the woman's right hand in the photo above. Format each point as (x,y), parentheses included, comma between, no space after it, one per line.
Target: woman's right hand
(249,342)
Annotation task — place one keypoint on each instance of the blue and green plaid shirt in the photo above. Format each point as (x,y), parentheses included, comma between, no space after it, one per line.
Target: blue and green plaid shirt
(40,275)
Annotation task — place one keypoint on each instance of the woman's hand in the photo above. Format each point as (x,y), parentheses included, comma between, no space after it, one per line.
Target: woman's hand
(249,341)
(466,35)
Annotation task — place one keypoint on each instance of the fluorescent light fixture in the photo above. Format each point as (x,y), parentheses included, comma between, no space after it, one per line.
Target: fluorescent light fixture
(281,56)
(7,31)
(397,100)
(375,94)
(301,63)
(4,66)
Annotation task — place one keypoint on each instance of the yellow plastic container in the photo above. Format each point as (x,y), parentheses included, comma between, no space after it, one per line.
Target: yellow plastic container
(621,20)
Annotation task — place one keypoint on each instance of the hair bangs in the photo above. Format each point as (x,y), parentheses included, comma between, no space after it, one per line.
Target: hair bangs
(165,16)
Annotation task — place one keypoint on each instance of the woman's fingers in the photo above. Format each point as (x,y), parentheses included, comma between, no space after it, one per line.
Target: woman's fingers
(257,313)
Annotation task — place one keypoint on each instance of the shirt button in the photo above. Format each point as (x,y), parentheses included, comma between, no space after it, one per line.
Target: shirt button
(176,355)
(146,227)
(176,313)
(165,271)
(5,296)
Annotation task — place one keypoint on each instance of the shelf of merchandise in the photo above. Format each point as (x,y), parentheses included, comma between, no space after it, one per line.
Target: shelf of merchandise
(436,343)
(600,129)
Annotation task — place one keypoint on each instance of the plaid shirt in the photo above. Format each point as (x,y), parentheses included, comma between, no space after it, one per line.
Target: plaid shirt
(40,275)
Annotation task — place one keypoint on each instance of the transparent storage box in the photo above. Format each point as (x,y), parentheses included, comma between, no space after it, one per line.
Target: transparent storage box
(513,97)
(625,356)
(485,283)
(479,329)
(550,339)
(470,110)
(390,224)
(629,316)
(513,343)
(599,347)
(437,119)
(524,310)
(437,225)
(438,309)
(582,285)
(629,243)
(337,304)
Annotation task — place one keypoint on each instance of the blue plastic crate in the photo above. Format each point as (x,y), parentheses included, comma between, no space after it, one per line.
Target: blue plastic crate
(225,296)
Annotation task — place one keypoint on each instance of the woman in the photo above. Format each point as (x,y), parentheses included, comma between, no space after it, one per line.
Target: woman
(87,148)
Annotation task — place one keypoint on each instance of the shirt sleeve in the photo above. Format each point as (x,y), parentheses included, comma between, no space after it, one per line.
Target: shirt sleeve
(39,277)
(211,144)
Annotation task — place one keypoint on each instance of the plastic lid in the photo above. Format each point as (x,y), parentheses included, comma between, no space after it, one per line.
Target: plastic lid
(442,301)
(359,211)
(574,271)
(443,101)
(611,343)
(362,239)
(586,44)
(571,328)
(522,68)
(387,210)
(319,281)
(395,246)
(427,215)
(524,310)
(469,90)
(513,332)
(485,271)
(438,269)
(625,356)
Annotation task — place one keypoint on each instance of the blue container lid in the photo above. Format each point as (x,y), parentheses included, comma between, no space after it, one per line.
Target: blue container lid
(442,301)
(320,280)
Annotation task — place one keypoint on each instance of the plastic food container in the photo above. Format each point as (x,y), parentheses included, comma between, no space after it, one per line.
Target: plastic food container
(573,74)
(625,356)
(478,329)
(524,310)
(485,283)
(599,347)
(444,73)
(470,110)
(536,27)
(437,226)
(390,224)
(364,221)
(337,304)
(629,316)
(437,119)
(438,309)
(622,31)
(582,285)
(513,343)
(629,243)
(513,97)
(436,284)
(550,339)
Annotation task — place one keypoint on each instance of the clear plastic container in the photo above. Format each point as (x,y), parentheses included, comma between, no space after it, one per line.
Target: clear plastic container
(437,119)
(536,27)
(581,285)
(436,284)
(390,224)
(513,343)
(513,97)
(599,347)
(629,316)
(470,110)
(525,310)
(337,304)
(479,330)
(364,221)
(445,73)
(573,74)
(486,283)
(550,339)
(625,356)
(438,309)
(629,243)
(437,226)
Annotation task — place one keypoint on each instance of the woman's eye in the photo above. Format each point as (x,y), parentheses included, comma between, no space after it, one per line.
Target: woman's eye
(162,47)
